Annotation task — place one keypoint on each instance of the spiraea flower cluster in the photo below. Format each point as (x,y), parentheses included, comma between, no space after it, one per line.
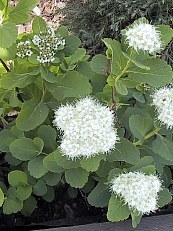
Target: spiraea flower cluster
(88,128)
(47,44)
(24,49)
(144,36)
(138,190)
(163,102)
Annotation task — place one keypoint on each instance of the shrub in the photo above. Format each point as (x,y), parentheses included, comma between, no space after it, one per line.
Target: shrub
(93,20)
(104,114)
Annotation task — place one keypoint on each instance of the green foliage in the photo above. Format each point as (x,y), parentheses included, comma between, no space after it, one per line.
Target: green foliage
(32,114)
(6,40)
(17,178)
(100,195)
(34,89)
(78,173)
(36,167)
(12,16)
(124,151)
(140,126)
(158,75)
(163,147)
(117,210)
(25,148)
(1,197)
(164,197)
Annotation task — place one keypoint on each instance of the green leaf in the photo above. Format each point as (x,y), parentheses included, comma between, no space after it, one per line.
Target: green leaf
(19,14)
(97,81)
(1,197)
(121,88)
(23,192)
(6,137)
(78,55)
(138,64)
(166,34)
(52,179)
(117,210)
(48,135)
(17,133)
(11,80)
(143,162)
(33,113)
(48,75)
(139,97)
(71,45)
(51,164)
(8,53)
(64,162)
(36,167)
(129,83)
(28,206)
(49,196)
(38,25)
(100,195)
(92,164)
(136,218)
(124,151)
(118,60)
(114,172)
(76,177)
(12,205)
(104,169)
(12,160)
(100,64)
(72,84)
(3,187)
(62,31)
(40,188)
(2,4)
(8,34)
(160,73)
(140,126)
(163,147)
(89,185)
(150,169)
(25,148)
(17,178)
(124,118)
(167,176)
(164,197)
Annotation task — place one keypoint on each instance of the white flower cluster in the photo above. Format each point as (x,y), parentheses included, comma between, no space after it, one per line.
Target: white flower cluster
(139,191)
(88,128)
(24,49)
(47,44)
(163,102)
(144,36)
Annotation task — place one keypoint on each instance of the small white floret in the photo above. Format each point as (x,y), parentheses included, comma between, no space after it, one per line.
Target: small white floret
(47,43)
(24,49)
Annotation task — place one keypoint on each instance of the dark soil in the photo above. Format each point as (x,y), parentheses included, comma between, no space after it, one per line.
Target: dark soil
(63,211)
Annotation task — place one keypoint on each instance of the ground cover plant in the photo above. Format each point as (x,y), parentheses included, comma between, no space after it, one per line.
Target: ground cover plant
(101,126)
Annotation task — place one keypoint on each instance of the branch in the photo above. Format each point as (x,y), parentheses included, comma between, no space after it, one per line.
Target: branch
(5,65)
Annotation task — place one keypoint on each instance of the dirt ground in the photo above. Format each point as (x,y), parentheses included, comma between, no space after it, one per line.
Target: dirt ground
(46,9)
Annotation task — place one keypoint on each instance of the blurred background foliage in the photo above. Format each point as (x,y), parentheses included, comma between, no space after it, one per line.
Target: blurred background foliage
(93,20)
